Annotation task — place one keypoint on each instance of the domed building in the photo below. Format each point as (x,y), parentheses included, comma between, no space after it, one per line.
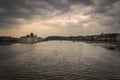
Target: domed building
(31,38)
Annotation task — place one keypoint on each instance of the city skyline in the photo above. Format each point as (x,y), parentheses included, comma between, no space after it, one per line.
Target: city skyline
(59,17)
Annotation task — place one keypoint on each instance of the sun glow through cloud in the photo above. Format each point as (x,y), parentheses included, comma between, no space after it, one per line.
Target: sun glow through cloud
(63,17)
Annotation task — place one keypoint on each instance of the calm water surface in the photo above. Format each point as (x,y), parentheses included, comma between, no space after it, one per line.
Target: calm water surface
(55,60)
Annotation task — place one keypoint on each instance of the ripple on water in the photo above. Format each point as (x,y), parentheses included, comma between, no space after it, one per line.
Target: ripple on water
(58,61)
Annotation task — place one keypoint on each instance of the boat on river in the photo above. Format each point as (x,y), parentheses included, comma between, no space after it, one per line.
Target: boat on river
(111,47)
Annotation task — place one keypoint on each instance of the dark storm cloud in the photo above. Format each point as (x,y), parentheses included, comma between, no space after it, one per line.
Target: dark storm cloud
(100,5)
(108,12)
(12,10)
(85,2)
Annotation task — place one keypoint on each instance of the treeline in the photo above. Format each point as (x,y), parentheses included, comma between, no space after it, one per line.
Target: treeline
(8,39)
(76,38)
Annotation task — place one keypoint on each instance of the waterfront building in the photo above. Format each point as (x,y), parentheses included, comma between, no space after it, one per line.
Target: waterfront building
(8,39)
(111,37)
(118,38)
(29,38)
(89,38)
(107,37)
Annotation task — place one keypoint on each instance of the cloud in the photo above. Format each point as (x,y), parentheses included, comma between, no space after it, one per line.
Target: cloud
(67,14)
(106,13)
(85,2)
(26,9)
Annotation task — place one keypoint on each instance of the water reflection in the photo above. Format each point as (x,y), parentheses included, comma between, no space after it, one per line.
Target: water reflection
(55,60)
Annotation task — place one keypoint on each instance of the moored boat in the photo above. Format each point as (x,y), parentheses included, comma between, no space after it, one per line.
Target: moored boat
(111,47)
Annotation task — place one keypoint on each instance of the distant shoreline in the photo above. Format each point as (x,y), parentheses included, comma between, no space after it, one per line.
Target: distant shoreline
(103,42)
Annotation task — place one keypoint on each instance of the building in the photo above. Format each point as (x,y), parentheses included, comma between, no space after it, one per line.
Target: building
(40,39)
(109,37)
(8,39)
(29,39)
(118,38)
(105,37)
(89,38)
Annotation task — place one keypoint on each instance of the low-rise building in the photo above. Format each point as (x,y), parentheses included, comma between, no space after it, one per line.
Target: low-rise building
(109,37)
(118,38)
(8,39)
(89,38)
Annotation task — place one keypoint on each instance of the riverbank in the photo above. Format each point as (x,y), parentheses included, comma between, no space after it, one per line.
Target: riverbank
(117,44)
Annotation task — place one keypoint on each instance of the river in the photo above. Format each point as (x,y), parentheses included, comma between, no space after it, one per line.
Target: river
(58,60)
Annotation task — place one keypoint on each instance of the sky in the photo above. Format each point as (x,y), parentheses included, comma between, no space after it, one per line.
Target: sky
(59,17)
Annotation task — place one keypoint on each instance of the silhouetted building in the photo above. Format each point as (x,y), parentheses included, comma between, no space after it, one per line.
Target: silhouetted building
(30,38)
(111,37)
(118,38)
(8,39)
(108,37)
(89,38)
